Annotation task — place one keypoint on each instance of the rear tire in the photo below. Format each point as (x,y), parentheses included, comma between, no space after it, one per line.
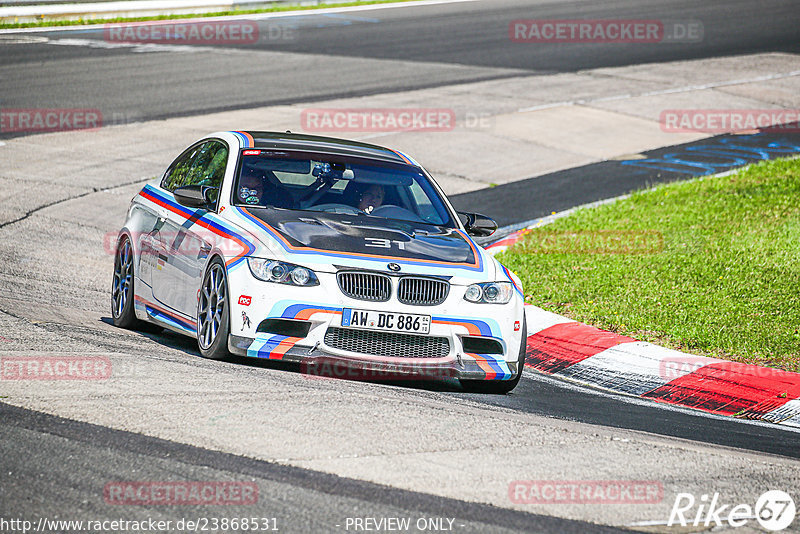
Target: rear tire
(213,313)
(122,293)
(499,387)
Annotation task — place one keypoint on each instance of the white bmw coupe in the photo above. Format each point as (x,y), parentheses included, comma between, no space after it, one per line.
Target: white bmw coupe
(319,250)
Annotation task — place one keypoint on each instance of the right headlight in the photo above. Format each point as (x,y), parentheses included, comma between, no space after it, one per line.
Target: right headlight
(489,293)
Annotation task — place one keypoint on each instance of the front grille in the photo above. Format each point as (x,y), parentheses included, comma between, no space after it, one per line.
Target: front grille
(365,286)
(422,291)
(387,343)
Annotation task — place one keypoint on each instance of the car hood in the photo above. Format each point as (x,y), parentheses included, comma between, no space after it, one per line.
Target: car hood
(335,238)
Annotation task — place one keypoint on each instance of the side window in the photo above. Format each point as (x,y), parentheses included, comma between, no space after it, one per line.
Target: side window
(176,175)
(209,165)
(203,165)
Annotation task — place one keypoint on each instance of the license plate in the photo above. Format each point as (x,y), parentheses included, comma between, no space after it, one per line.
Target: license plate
(408,323)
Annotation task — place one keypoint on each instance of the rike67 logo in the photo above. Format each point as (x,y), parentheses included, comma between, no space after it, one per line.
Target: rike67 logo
(774,510)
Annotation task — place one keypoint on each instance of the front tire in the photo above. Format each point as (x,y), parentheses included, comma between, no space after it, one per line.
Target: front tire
(213,313)
(122,312)
(499,387)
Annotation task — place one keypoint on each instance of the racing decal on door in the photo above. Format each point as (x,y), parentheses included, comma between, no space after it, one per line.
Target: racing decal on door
(202,218)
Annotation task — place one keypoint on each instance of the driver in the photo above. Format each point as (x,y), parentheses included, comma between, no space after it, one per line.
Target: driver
(371,198)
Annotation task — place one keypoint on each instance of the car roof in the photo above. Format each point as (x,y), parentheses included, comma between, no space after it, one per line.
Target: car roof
(330,145)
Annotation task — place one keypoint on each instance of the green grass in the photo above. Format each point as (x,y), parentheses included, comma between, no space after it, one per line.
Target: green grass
(276,8)
(724,282)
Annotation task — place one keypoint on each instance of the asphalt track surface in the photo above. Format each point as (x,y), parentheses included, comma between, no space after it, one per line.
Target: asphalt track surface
(444,44)
(362,53)
(297,500)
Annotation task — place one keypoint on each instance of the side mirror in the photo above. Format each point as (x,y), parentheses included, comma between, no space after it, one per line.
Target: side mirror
(478,225)
(196,196)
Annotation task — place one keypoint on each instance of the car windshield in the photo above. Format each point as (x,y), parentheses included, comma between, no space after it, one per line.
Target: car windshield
(338,184)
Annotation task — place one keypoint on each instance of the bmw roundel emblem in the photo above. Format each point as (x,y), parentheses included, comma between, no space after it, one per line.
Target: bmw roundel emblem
(393,267)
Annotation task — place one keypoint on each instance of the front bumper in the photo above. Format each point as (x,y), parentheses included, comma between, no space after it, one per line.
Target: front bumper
(317,361)
(465,340)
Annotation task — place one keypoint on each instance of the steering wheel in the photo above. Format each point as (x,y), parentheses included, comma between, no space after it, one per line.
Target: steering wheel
(334,207)
(390,211)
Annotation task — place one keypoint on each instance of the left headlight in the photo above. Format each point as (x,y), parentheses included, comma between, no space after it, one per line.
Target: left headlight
(281,272)
(489,293)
